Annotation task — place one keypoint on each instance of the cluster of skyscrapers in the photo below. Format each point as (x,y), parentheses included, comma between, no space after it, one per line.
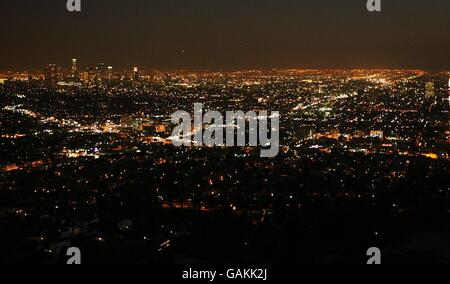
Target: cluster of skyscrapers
(55,74)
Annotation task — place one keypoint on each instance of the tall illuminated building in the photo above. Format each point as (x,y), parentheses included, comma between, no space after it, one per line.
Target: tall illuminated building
(74,70)
(101,71)
(110,73)
(136,74)
(51,74)
(74,66)
(59,74)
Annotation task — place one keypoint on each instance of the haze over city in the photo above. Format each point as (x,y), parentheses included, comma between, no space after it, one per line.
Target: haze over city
(231,34)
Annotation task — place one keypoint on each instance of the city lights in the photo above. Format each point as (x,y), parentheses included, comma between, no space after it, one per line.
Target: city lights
(243,133)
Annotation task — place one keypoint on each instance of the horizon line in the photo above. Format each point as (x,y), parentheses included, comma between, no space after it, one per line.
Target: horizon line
(248,69)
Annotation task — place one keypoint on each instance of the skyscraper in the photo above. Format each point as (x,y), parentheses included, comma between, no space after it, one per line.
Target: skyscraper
(74,66)
(101,71)
(51,74)
(110,73)
(74,70)
(136,74)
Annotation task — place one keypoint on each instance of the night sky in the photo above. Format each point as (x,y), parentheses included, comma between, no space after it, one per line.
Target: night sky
(226,34)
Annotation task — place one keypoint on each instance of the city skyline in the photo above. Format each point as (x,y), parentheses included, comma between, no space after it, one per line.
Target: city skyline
(68,65)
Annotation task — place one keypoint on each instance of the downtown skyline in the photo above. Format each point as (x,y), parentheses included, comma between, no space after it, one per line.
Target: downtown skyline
(84,66)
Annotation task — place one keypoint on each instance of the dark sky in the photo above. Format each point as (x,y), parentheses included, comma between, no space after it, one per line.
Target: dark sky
(226,34)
